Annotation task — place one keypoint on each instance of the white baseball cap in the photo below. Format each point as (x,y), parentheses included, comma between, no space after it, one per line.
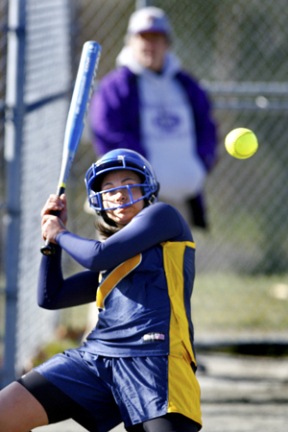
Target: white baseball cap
(149,19)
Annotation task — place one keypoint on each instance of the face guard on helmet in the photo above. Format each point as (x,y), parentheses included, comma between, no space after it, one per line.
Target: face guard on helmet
(120,159)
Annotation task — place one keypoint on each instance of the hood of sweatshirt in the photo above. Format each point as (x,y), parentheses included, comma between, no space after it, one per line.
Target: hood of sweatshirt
(172,63)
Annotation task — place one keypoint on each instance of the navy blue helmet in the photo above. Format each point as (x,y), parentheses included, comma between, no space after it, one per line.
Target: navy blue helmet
(121,159)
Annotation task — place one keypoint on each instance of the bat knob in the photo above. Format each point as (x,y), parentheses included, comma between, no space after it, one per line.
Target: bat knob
(48,249)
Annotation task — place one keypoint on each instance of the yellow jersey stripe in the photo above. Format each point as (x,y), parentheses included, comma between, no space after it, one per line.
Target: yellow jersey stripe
(115,277)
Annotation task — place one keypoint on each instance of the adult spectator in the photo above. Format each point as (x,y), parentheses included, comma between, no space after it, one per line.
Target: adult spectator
(151,105)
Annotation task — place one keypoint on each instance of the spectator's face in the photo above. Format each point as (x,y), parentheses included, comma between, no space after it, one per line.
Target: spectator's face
(150,49)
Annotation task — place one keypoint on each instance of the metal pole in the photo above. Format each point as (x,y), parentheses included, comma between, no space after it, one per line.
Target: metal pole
(143,3)
(13,140)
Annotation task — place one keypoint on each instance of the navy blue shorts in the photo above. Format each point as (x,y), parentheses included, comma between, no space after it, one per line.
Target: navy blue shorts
(110,390)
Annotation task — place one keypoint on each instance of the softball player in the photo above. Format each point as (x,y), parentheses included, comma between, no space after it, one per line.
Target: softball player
(137,365)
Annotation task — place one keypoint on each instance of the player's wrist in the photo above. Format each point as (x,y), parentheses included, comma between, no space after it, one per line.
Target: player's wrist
(59,234)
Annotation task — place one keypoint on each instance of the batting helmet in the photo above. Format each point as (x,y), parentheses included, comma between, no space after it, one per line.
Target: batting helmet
(121,159)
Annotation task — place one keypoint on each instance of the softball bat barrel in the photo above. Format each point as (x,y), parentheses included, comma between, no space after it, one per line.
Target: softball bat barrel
(81,96)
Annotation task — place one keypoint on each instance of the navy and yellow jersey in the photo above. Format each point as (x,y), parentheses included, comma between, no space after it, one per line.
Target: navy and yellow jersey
(142,278)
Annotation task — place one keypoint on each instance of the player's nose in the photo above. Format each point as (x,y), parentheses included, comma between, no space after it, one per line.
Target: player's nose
(121,194)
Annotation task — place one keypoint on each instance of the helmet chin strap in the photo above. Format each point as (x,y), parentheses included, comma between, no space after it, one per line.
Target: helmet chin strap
(152,199)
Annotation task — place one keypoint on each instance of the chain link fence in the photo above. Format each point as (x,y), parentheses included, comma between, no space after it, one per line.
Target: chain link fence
(38,88)
(238,50)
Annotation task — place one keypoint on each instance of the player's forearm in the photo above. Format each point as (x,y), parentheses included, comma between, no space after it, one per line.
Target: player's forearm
(91,254)
(50,280)
(55,292)
(153,225)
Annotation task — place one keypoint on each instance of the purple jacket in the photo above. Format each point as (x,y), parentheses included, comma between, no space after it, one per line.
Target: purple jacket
(115,118)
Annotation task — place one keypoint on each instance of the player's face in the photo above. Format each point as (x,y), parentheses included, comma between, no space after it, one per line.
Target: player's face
(150,49)
(120,196)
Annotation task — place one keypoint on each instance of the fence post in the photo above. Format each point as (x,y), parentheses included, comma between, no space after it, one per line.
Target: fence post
(12,154)
(143,3)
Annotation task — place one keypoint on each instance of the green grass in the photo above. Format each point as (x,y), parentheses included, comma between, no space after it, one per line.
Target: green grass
(224,306)
(227,303)
(52,348)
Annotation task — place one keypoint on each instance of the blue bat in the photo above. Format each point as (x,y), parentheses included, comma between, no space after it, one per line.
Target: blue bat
(76,116)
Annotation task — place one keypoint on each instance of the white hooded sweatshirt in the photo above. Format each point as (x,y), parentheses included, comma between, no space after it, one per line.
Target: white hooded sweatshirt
(167,128)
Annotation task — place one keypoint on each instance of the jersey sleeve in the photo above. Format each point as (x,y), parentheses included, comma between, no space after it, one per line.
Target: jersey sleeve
(155,224)
(55,292)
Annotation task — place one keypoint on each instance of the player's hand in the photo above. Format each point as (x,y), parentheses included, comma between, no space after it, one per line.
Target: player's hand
(56,205)
(54,217)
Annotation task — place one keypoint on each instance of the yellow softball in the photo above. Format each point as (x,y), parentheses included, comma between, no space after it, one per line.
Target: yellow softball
(241,143)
